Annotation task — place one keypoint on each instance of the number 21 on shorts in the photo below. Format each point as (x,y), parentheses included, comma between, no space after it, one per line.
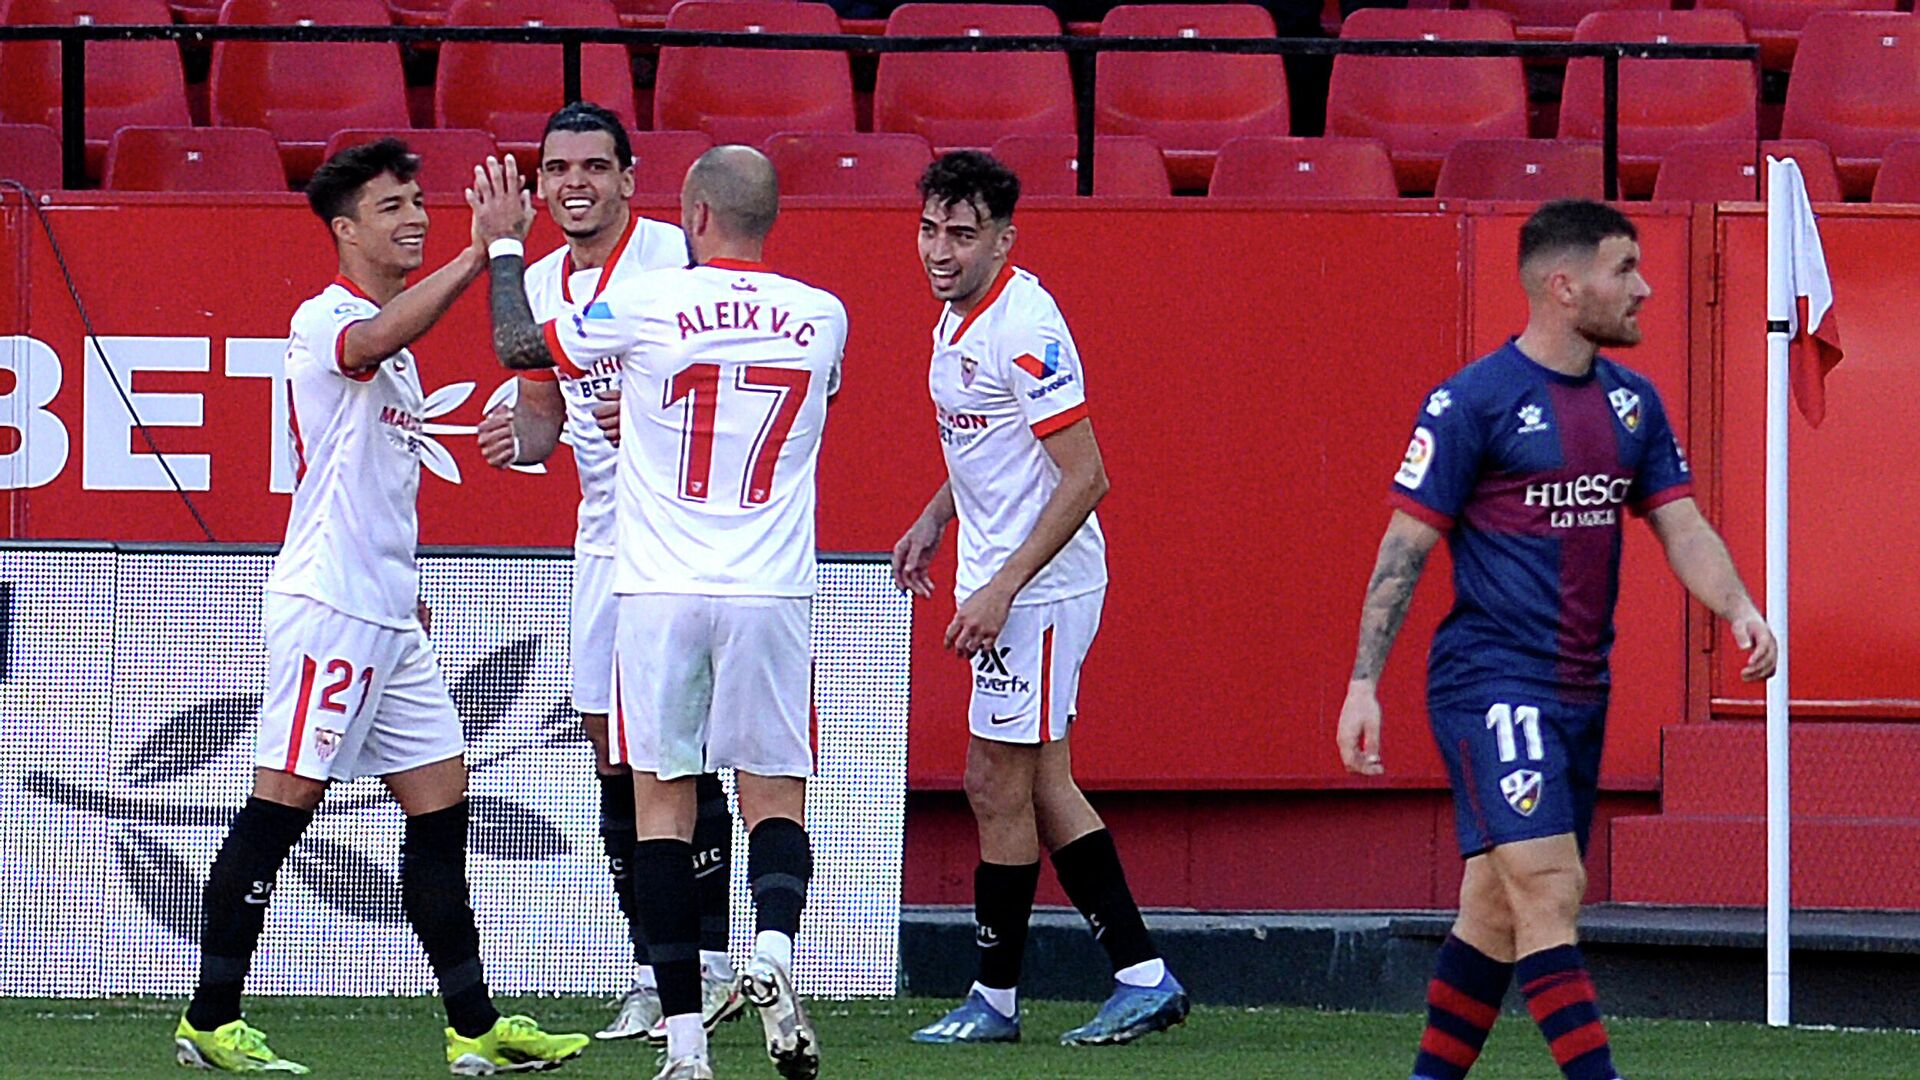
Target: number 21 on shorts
(1503,719)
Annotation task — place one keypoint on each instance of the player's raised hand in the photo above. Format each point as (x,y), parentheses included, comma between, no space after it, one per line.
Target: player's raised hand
(502,208)
(1359,732)
(607,414)
(497,442)
(913,555)
(1751,632)
(979,621)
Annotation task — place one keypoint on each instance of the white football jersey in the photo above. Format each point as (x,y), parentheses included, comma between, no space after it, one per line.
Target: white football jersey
(1003,378)
(356,452)
(725,372)
(553,286)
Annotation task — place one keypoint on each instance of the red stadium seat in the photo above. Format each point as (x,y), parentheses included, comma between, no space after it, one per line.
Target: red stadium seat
(199,12)
(1899,178)
(746,95)
(1189,103)
(194,159)
(1729,170)
(971,99)
(879,164)
(510,90)
(447,155)
(303,93)
(419,12)
(1775,25)
(1050,164)
(661,159)
(128,82)
(1420,106)
(1555,20)
(30,153)
(1523,169)
(643,14)
(1856,87)
(1662,102)
(1270,167)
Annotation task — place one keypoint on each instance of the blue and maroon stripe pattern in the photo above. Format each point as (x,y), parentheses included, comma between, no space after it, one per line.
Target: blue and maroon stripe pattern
(1463,1001)
(1560,996)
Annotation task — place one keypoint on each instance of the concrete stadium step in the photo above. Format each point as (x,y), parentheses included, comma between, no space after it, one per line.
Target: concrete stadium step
(1840,769)
(1721,860)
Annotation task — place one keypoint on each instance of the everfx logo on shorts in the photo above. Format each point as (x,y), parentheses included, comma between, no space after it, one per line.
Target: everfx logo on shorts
(991,675)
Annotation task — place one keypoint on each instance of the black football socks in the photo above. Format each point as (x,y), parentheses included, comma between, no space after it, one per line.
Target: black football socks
(433,892)
(234,905)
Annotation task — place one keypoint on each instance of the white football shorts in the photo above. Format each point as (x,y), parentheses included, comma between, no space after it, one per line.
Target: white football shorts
(1026,687)
(713,682)
(348,698)
(594,616)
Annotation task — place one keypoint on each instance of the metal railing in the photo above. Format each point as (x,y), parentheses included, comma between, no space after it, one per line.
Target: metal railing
(1081,54)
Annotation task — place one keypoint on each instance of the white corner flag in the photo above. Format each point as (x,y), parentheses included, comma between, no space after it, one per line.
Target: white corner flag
(1803,344)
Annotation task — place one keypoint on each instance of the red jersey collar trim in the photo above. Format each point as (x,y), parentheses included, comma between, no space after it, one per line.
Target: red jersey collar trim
(999,286)
(343,281)
(606,271)
(737,264)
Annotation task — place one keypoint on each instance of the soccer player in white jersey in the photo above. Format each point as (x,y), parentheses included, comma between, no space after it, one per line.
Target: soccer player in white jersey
(354,687)
(586,178)
(725,372)
(1024,474)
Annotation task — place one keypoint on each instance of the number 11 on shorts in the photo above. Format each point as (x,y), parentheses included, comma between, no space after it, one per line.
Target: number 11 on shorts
(1502,719)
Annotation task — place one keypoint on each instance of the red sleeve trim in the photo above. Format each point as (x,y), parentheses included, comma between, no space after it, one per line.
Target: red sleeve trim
(560,358)
(1658,499)
(541,374)
(1060,421)
(340,356)
(1420,511)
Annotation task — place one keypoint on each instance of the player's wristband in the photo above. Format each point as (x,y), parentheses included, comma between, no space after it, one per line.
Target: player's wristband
(506,245)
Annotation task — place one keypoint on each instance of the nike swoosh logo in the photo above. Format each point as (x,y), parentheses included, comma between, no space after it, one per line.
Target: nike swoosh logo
(997,720)
(256,901)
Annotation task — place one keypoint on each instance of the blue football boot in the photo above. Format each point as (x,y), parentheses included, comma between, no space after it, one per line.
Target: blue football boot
(974,1021)
(1131,1012)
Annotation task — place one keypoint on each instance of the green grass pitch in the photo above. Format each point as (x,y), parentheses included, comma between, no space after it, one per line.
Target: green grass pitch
(381,1038)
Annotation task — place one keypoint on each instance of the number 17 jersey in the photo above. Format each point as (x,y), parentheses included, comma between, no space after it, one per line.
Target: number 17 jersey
(725,374)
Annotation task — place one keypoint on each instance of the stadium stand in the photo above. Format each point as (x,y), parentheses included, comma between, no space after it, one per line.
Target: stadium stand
(304,92)
(1418,106)
(1662,102)
(227,159)
(1272,167)
(1557,20)
(744,95)
(971,100)
(1130,165)
(1728,171)
(1190,103)
(128,82)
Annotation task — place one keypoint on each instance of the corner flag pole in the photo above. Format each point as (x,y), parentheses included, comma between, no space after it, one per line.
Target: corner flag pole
(1783,184)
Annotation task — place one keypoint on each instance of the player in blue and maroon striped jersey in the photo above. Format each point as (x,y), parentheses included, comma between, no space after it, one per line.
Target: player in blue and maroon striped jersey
(1525,460)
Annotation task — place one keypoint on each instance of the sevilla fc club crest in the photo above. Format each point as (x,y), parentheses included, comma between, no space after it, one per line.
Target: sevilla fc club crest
(326,742)
(1626,405)
(1522,789)
(967,367)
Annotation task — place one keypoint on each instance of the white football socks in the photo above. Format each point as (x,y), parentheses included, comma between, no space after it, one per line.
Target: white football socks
(686,1037)
(716,965)
(1005,1002)
(1146,973)
(774,946)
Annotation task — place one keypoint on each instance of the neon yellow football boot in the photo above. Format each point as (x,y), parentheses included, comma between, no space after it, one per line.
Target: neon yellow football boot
(515,1044)
(231,1047)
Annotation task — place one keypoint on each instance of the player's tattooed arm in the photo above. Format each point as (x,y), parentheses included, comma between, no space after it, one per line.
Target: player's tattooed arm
(517,340)
(1403,555)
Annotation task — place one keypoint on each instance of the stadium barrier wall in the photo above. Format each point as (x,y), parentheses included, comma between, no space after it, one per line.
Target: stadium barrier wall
(130,690)
(1254,370)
